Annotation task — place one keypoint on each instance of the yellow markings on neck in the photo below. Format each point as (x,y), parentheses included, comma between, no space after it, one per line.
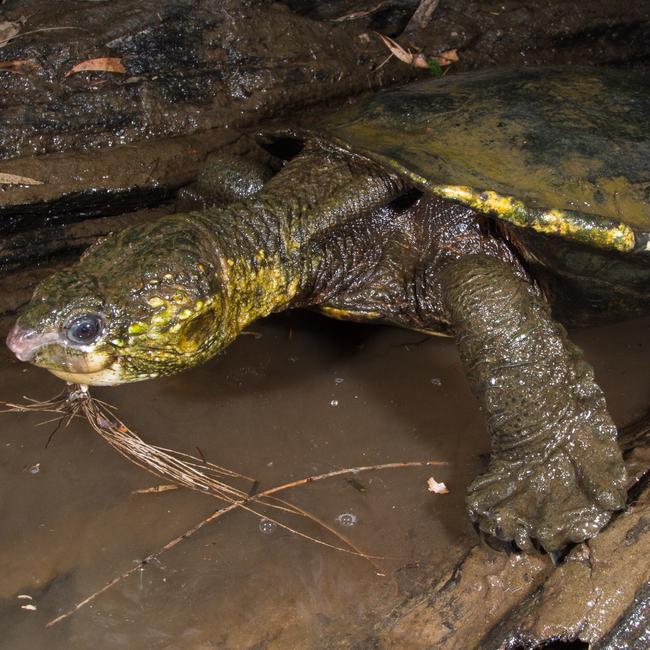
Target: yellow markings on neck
(256,288)
(138,328)
(590,229)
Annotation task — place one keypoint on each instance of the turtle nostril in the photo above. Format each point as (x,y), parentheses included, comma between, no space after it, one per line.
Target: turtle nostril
(22,342)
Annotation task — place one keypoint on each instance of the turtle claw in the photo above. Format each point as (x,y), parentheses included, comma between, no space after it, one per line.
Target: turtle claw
(550,503)
(496,543)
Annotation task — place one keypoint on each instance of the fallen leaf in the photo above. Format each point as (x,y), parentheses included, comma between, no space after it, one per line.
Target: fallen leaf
(19,66)
(13,179)
(418,59)
(396,49)
(103,64)
(8,30)
(437,488)
(447,57)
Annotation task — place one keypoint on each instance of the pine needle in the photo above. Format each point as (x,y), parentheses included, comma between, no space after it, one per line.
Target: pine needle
(188,471)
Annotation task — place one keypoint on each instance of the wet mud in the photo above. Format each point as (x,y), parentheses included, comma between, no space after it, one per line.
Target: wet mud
(311,395)
(186,67)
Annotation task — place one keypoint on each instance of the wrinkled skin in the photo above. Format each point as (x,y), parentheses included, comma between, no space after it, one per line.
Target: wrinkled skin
(171,294)
(556,472)
(337,232)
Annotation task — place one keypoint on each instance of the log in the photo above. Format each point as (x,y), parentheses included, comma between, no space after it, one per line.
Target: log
(81,185)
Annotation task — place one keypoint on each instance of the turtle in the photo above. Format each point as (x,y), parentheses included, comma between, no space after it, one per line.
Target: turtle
(495,207)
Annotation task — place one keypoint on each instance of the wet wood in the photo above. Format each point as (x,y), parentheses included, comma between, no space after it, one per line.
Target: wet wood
(37,247)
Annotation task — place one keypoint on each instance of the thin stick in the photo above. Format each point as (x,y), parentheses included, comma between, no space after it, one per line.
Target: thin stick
(422,15)
(41,29)
(183,469)
(222,511)
(353,470)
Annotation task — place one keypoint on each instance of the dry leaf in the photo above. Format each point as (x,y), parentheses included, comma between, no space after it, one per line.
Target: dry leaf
(437,488)
(396,49)
(104,64)
(19,66)
(8,30)
(417,59)
(447,57)
(13,179)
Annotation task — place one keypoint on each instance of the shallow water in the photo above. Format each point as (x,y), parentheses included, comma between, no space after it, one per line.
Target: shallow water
(311,395)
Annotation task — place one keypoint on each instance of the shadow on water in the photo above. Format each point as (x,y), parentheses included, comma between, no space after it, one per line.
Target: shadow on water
(308,396)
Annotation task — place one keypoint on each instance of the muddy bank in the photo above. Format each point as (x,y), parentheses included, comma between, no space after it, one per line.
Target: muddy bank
(101,143)
(184,67)
(538,33)
(175,69)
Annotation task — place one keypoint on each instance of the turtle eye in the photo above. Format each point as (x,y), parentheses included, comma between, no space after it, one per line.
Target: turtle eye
(85,329)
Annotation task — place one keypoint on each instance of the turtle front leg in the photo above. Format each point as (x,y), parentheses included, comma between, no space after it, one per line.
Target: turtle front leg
(556,473)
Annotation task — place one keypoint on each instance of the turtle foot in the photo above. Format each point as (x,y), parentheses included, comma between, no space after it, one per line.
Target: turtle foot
(567,496)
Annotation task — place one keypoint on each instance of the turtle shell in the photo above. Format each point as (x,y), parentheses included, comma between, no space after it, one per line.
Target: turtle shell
(561,151)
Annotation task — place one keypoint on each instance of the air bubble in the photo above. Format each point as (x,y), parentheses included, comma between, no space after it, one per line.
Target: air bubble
(347,519)
(267,527)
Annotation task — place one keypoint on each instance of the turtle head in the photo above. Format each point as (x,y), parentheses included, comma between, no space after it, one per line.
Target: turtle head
(141,303)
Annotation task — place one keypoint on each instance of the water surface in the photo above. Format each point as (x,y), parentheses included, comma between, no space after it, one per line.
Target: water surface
(310,395)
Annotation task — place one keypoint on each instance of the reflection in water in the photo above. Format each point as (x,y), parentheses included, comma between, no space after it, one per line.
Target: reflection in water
(310,396)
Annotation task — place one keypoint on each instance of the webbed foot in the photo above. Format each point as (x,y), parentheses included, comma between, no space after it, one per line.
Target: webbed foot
(556,474)
(566,496)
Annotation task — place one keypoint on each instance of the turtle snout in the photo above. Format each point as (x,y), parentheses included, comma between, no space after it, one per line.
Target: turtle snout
(24,342)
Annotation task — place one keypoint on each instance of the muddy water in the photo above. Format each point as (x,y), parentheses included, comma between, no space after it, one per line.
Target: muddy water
(309,396)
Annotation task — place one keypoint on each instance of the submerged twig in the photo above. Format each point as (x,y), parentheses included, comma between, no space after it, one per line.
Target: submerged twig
(191,472)
(222,511)
(183,469)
